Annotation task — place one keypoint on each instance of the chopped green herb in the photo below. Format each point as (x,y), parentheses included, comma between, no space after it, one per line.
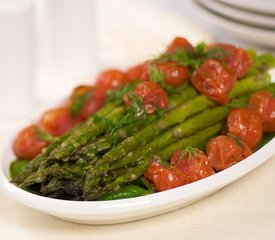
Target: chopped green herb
(118,93)
(78,103)
(236,139)
(43,135)
(191,151)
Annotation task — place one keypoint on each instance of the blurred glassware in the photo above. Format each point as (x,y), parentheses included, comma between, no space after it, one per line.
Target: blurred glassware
(68,34)
(17,57)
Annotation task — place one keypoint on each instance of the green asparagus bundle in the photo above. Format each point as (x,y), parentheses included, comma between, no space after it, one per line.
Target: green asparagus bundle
(112,149)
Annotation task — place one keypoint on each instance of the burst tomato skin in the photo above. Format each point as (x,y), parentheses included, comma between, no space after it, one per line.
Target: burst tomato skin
(214,80)
(27,145)
(152,94)
(245,124)
(224,151)
(194,167)
(57,121)
(111,79)
(264,103)
(235,58)
(180,43)
(162,177)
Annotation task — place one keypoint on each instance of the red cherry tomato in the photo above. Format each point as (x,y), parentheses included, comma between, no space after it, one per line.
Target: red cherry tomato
(94,102)
(174,74)
(235,58)
(214,80)
(77,94)
(224,151)
(162,177)
(134,73)
(264,103)
(194,167)
(245,124)
(111,79)
(81,90)
(152,94)
(27,145)
(180,43)
(57,121)
(87,100)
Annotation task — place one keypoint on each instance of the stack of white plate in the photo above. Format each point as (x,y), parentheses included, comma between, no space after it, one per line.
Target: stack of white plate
(251,20)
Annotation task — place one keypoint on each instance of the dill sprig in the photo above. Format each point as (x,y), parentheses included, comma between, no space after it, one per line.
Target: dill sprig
(109,123)
(185,58)
(136,108)
(78,102)
(180,56)
(118,93)
(43,135)
(157,76)
(237,140)
(191,151)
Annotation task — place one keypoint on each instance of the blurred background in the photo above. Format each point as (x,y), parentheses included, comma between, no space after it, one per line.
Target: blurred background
(47,47)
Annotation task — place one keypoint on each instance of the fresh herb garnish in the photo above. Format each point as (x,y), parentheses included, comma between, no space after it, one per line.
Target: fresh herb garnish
(43,135)
(107,122)
(184,58)
(118,93)
(180,56)
(237,140)
(191,151)
(78,103)
(157,76)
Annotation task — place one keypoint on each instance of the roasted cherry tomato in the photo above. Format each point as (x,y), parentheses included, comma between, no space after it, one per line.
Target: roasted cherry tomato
(163,177)
(111,79)
(173,73)
(194,165)
(180,43)
(78,98)
(245,124)
(225,151)
(81,90)
(93,103)
(86,100)
(57,121)
(214,80)
(264,103)
(27,144)
(152,95)
(135,72)
(235,58)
